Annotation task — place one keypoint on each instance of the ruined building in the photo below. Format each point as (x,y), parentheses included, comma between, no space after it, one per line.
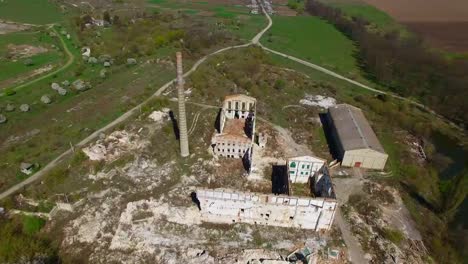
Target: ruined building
(300,169)
(183,136)
(235,139)
(235,133)
(228,206)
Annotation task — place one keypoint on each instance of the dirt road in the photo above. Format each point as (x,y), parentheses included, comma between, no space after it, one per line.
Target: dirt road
(71,59)
(117,121)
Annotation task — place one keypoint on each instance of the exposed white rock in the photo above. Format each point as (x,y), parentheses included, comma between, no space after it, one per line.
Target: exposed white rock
(318,100)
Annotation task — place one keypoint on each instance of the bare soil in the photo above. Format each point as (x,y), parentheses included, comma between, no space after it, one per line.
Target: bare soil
(24,51)
(449,36)
(6,27)
(424,10)
(21,78)
(443,24)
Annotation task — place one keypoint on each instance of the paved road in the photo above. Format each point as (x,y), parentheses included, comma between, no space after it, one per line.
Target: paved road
(71,59)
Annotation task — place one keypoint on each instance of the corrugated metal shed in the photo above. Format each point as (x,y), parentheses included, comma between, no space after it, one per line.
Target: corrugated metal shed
(353,129)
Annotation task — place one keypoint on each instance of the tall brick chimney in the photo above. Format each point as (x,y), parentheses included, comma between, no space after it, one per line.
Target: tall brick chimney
(183,136)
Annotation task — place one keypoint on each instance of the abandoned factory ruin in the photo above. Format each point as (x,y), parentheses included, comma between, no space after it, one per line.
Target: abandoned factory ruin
(235,137)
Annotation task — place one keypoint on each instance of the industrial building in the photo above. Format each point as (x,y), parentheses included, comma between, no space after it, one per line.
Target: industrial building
(229,206)
(234,137)
(355,141)
(300,169)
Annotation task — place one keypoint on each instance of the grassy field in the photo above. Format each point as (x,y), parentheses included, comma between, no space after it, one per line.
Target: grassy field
(314,40)
(14,68)
(30,11)
(377,17)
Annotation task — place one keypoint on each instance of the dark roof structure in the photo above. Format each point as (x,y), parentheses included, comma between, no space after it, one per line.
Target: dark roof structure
(353,129)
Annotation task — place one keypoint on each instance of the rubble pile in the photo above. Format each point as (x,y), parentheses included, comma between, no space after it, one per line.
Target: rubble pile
(112,147)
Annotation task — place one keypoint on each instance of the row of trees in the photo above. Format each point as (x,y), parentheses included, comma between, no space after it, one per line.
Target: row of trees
(404,65)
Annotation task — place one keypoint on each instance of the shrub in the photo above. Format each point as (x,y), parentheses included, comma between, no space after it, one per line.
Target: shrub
(393,235)
(9,92)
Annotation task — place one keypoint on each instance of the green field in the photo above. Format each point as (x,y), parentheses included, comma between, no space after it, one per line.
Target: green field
(380,21)
(314,40)
(14,68)
(30,11)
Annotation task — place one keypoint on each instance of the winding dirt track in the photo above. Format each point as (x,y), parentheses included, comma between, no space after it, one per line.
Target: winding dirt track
(71,59)
(355,251)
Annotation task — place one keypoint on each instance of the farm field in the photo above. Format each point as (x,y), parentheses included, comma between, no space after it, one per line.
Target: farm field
(16,48)
(314,40)
(233,15)
(439,22)
(381,21)
(31,12)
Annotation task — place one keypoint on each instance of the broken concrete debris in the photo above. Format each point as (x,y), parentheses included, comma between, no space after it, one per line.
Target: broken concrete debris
(160,116)
(24,108)
(107,64)
(55,86)
(318,100)
(131,61)
(229,206)
(112,147)
(62,91)
(105,58)
(66,83)
(80,85)
(27,168)
(46,99)
(103,73)
(92,60)
(10,108)
(3,119)
(86,52)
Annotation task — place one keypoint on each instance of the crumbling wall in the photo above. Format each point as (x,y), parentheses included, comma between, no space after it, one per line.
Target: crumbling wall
(227,206)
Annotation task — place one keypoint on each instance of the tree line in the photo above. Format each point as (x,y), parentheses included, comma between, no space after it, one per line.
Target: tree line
(404,64)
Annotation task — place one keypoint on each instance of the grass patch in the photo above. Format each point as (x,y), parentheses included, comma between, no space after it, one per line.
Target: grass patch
(314,40)
(394,235)
(27,11)
(12,67)
(32,224)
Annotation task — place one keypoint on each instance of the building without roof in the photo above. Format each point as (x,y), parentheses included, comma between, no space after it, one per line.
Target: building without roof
(229,206)
(300,169)
(355,141)
(234,137)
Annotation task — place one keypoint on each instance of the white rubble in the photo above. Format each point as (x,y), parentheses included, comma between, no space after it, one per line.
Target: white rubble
(112,147)
(160,116)
(318,100)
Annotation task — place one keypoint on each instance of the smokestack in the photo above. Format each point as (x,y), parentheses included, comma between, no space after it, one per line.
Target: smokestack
(183,136)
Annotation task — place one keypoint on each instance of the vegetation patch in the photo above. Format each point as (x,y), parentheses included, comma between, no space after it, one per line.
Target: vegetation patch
(306,37)
(33,12)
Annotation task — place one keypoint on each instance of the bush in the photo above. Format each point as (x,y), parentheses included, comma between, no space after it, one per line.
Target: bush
(393,235)
(280,84)
(9,92)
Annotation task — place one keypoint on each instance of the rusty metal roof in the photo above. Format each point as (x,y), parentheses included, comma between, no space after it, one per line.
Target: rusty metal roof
(354,131)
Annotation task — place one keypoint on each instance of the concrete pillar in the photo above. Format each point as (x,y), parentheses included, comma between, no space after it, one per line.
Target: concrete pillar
(183,135)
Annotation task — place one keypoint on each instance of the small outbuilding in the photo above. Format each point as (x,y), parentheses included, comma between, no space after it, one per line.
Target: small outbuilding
(355,141)
(27,168)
